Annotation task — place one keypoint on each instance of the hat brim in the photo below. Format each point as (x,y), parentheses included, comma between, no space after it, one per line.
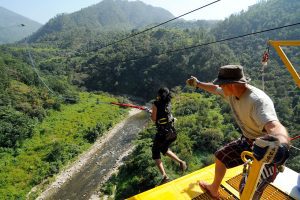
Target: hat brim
(228,81)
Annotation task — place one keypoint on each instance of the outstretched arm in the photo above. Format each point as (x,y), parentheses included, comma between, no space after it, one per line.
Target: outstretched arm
(209,87)
(153,114)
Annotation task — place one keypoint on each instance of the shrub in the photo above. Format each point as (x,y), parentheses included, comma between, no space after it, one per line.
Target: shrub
(92,134)
(14,127)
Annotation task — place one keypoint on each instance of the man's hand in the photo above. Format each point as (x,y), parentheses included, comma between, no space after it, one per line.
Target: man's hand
(193,81)
(265,148)
(148,110)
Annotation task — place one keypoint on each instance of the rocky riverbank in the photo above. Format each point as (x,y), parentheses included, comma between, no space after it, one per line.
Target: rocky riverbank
(83,178)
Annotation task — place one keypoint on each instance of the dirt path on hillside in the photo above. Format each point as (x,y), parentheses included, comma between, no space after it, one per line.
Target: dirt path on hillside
(86,175)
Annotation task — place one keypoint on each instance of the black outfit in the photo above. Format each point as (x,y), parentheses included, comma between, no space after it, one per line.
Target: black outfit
(166,133)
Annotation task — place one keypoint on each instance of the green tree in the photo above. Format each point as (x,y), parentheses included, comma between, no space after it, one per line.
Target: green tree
(14,127)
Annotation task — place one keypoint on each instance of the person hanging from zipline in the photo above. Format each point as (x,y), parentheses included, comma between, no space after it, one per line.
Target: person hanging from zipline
(166,133)
(255,114)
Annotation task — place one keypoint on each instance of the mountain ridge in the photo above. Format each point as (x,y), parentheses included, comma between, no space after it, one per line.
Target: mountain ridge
(107,15)
(11,29)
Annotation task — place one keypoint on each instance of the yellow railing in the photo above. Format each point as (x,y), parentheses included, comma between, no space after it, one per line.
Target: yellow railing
(277,46)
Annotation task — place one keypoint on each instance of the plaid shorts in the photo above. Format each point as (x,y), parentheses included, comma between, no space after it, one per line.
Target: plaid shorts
(230,154)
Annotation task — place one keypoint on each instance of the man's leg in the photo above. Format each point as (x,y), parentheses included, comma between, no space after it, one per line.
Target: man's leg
(220,170)
(226,157)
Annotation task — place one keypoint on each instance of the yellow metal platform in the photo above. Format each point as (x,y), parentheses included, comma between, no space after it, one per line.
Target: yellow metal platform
(187,188)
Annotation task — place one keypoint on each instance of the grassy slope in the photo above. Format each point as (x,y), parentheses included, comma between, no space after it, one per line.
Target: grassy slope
(61,133)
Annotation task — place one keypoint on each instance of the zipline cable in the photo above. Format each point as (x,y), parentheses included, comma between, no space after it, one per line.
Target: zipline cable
(34,67)
(203,44)
(11,26)
(37,73)
(294,138)
(295,147)
(148,29)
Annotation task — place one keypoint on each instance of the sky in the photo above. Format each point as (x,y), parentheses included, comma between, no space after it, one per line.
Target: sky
(43,10)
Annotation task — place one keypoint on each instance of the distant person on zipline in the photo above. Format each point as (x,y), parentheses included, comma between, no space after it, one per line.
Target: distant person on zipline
(256,116)
(166,133)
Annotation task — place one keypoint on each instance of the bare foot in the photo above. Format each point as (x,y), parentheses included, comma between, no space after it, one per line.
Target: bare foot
(213,192)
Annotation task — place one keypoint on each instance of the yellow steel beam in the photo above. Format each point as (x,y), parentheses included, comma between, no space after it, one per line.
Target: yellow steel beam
(277,46)
(256,168)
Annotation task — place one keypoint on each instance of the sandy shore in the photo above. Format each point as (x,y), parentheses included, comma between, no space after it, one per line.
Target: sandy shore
(76,166)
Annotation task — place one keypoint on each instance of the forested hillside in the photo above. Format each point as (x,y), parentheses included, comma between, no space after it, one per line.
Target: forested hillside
(12,26)
(67,55)
(42,129)
(108,15)
(150,48)
(142,77)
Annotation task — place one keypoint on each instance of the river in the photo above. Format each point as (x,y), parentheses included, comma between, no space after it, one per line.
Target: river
(101,163)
